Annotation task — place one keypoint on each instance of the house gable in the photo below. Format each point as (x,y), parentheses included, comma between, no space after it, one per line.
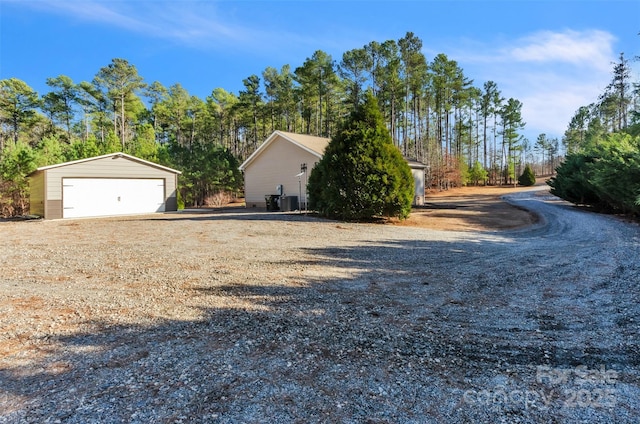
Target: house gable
(278,165)
(310,144)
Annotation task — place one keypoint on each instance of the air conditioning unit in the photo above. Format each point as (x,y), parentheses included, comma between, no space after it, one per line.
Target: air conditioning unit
(288,203)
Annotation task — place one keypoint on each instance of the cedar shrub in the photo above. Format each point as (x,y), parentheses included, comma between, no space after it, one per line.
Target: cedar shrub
(362,175)
(527,178)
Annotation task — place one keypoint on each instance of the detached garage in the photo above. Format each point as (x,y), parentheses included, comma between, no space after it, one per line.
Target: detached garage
(113,184)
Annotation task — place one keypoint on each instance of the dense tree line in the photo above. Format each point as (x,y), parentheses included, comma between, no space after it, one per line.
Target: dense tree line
(602,166)
(432,110)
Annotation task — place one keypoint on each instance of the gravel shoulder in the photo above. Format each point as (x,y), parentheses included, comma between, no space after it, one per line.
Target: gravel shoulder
(253,317)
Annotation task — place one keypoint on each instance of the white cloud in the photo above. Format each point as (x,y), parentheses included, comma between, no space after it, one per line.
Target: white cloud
(578,48)
(198,24)
(170,20)
(549,111)
(551,73)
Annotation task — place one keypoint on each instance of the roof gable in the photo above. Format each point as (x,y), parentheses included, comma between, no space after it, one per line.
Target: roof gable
(114,155)
(312,144)
(309,143)
(414,164)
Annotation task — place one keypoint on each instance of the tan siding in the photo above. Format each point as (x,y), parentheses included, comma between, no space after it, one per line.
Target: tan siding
(54,209)
(36,194)
(278,164)
(418,178)
(171,193)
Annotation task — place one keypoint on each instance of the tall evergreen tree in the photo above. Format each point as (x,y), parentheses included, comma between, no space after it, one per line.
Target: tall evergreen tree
(18,103)
(574,136)
(512,123)
(155,93)
(64,99)
(542,145)
(490,90)
(353,68)
(223,108)
(318,82)
(362,175)
(618,92)
(94,105)
(121,82)
(250,100)
(414,65)
(271,77)
(390,86)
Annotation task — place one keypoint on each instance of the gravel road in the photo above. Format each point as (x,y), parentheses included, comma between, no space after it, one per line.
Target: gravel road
(272,317)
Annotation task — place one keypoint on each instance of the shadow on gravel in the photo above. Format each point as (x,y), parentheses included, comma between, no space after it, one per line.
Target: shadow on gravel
(402,336)
(235,215)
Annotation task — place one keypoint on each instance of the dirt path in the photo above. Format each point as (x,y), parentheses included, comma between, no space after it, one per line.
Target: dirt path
(252,317)
(472,209)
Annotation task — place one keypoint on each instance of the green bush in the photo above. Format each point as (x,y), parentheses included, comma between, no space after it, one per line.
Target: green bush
(616,172)
(572,180)
(606,175)
(477,174)
(362,175)
(527,178)
(16,162)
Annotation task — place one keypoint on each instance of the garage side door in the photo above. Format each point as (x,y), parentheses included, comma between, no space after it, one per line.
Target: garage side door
(83,197)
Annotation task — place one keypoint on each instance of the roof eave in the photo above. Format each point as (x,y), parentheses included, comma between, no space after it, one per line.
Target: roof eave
(313,152)
(117,154)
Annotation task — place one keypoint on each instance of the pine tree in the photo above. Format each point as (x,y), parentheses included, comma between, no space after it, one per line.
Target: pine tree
(362,175)
(17,107)
(120,82)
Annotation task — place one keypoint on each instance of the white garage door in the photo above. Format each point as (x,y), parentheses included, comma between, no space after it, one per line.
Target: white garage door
(111,196)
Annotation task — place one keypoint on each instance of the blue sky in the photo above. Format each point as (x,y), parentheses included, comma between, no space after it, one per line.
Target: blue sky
(552,55)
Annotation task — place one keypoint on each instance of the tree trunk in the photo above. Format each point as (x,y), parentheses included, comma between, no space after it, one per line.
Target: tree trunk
(122,120)
(484,140)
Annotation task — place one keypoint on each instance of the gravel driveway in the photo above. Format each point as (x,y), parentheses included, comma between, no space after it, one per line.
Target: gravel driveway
(271,317)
